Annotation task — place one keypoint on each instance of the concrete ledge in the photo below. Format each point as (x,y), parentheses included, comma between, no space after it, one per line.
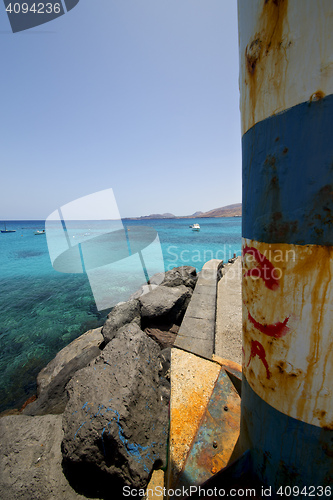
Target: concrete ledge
(197,331)
(200,306)
(228,333)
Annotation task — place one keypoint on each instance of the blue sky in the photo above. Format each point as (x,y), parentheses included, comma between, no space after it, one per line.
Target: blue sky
(140,96)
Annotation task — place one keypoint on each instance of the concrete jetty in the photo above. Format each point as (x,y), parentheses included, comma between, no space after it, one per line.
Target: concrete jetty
(205,378)
(228,330)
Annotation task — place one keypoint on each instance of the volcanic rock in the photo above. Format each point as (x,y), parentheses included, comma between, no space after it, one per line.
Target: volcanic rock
(121,314)
(183,275)
(164,305)
(116,420)
(52,380)
(30,459)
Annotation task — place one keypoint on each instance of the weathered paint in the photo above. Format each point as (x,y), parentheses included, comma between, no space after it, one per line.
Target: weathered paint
(287,331)
(216,435)
(285,50)
(233,370)
(286,81)
(284,450)
(192,383)
(283,203)
(204,418)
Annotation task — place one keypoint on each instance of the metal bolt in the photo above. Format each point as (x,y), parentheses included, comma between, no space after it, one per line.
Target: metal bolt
(214,444)
(225,408)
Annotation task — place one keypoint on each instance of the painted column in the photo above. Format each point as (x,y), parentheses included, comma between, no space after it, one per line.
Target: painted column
(286,85)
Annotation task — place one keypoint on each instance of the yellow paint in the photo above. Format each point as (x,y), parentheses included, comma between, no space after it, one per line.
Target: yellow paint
(192,383)
(155,486)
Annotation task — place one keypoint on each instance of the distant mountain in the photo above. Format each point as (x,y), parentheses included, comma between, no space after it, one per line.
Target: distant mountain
(234,210)
(154,216)
(227,211)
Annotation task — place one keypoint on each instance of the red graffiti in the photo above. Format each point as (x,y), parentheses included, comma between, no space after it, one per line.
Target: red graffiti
(257,349)
(276,330)
(266,271)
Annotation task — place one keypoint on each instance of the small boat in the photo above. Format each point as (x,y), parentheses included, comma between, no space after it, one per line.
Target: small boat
(39,232)
(8,230)
(195,227)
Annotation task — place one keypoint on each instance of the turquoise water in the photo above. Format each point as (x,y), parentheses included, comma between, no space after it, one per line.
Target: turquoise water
(42,310)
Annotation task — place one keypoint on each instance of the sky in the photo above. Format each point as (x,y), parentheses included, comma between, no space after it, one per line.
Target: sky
(140,96)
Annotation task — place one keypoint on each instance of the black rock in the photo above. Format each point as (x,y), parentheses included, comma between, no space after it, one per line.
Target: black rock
(163,337)
(116,421)
(165,360)
(52,380)
(164,305)
(30,459)
(183,275)
(142,290)
(121,314)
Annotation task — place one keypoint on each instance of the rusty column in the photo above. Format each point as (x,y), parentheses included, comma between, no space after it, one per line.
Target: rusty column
(286,84)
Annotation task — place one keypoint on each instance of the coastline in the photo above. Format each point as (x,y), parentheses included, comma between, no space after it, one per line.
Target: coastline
(77,382)
(42,310)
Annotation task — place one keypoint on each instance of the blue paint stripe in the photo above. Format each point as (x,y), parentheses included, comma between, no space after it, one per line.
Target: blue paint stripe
(284,451)
(288,176)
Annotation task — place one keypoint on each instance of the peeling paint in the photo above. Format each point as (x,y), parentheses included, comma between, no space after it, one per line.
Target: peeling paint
(274,52)
(298,351)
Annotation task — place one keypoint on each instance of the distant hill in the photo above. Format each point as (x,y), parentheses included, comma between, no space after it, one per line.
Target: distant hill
(153,216)
(227,211)
(234,210)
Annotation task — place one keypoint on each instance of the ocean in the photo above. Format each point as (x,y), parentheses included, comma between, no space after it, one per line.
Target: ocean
(42,310)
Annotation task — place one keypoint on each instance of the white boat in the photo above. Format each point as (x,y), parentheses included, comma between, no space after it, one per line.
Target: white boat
(40,232)
(195,227)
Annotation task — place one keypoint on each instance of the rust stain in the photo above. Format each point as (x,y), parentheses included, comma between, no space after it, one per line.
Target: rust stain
(252,55)
(28,401)
(288,370)
(319,296)
(227,363)
(317,96)
(278,227)
(186,417)
(326,449)
(300,363)
(328,427)
(222,430)
(269,40)
(185,420)
(192,383)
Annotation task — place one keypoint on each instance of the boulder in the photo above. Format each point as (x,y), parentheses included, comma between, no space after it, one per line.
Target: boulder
(164,305)
(116,421)
(164,338)
(183,275)
(142,290)
(30,459)
(121,314)
(165,363)
(52,380)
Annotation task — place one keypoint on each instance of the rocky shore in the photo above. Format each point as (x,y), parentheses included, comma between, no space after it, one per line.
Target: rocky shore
(100,420)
